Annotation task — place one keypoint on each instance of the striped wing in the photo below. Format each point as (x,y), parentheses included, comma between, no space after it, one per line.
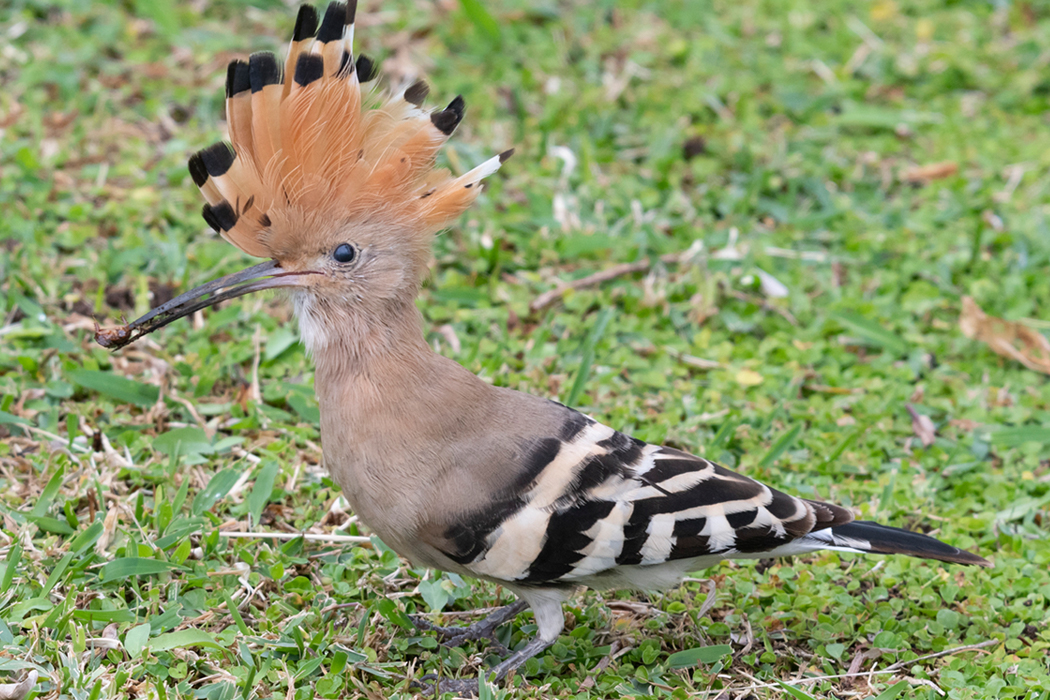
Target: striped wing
(594,499)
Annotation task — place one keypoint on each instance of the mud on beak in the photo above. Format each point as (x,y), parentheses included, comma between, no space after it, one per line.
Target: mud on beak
(267,275)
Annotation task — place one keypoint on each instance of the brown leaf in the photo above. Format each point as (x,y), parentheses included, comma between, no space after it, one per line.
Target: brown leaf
(922,426)
(921,174)
(1007,338)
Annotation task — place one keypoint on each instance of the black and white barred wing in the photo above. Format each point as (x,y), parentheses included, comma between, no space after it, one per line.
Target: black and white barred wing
(596,500)
(595,506)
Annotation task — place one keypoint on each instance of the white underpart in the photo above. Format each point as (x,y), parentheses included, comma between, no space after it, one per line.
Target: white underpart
(659,577)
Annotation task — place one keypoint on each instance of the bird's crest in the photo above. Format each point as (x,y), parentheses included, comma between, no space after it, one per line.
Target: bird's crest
(305,139)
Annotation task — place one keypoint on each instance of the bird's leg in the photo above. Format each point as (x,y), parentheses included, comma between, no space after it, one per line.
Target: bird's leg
(546,606)
(469,687)
(483,629)
(536,645)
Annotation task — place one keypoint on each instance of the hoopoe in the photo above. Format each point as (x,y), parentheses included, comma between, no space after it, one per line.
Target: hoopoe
(455,474)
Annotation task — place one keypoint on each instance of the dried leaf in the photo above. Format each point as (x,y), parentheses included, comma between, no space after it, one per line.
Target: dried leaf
(1007,338)
(109,528)
(17,691)
(922,426)
(921,174)
(748,377)
(701,308)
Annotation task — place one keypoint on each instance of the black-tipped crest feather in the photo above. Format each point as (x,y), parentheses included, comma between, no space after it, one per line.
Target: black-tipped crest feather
(284,140)
(333,23)
(449,118)
(217,158)
(220,217)
(237,79)
(417,92)
(198,171)
(308,68)
(366,69)
(263,70)
(305,23)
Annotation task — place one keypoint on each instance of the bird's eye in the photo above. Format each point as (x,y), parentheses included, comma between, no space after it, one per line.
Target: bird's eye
(344,253)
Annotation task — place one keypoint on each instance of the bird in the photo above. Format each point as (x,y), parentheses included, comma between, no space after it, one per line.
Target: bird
(336,186)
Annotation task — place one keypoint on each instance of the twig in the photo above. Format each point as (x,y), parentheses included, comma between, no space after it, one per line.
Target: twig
(926,683)
(209,432)
(793,682)
(56,438)
(256,392)
(808,255)
(693,361)
(339,606)
(550,297)
(709,601)
(946,652)
(462,613)
(892,669)
(357,539)
(787,315)
(588,682)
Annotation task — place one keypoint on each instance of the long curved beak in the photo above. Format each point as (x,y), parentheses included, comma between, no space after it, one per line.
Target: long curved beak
(267,275)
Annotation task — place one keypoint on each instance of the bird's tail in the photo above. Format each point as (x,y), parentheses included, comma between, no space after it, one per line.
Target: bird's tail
(869,537)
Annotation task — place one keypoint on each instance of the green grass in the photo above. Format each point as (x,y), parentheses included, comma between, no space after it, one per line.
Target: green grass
(118,472)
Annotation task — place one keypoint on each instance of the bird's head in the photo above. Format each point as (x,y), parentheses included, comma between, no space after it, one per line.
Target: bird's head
(336,186)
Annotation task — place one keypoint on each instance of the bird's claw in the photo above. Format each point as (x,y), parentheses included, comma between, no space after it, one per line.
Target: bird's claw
(436,686)
(452,637)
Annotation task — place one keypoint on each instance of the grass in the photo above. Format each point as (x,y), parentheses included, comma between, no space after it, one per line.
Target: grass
(777,134)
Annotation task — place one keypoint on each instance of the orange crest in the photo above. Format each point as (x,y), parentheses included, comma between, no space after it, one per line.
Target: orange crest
(302,139)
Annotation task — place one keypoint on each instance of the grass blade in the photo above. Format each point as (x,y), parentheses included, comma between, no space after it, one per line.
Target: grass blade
(261,491)
(699,655)
(584,372)
(794,692)
(218,487)
(871,331)
(115,387)
(120,569)
(481,18)
(781,445)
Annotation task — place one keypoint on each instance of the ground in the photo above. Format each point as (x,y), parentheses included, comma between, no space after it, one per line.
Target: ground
(804,194)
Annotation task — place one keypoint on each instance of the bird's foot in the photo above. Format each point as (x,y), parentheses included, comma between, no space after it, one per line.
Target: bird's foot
(431,684)
(469,687)
(484,629)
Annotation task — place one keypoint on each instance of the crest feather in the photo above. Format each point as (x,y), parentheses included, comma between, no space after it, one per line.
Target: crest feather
(303,139)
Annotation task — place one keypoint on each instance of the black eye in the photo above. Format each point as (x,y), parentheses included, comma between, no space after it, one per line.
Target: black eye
(344,253)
